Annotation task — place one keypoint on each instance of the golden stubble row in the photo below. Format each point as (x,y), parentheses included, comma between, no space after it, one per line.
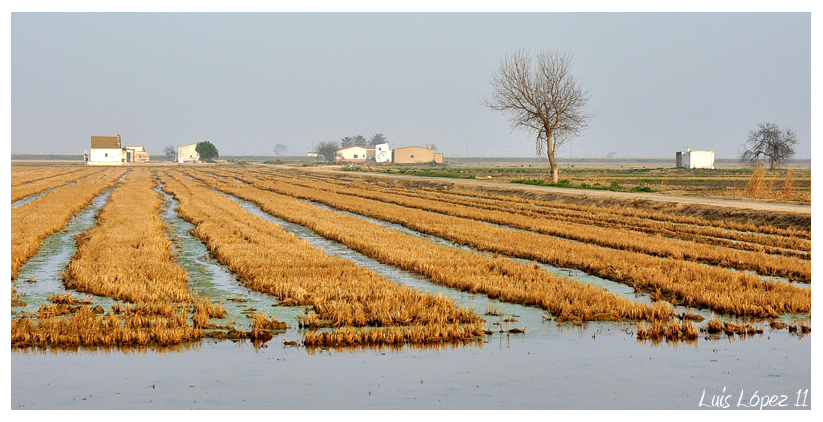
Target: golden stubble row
(127,255)
(498,278)
(269,259)
(686,283)
(33,222)
(602,216)
(85,328)
(21,176)
(595,234)
(552,202)
(21,191)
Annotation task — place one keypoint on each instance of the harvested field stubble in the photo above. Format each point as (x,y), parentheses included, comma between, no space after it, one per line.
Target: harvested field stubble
(127,256)
(498,278)
(271,260)
(35,221)
(21,191)
(781,224)
(685,283)
(595,234)
(20,176)
(434,200)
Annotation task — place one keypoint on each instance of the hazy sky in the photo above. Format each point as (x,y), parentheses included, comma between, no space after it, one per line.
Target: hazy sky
(245,82)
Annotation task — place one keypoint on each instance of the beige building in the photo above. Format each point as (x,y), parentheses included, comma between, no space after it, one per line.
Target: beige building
(135,155)
(407,155)
(105,151)
(187,154)
(355,154)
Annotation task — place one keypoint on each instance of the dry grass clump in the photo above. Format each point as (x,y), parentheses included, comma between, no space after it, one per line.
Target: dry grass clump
(67,299)
(714,326)
(498,278)
(204,310)
(21,191)
(16,298)
(271,260)
(777,325)
(127,256)
(685,283)
(787,185)
(730,329)
(36,220)
(670,331)
(86,329)
(428,334)
(758,186)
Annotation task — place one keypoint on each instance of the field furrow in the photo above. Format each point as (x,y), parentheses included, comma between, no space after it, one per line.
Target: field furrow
(269,259)
(606,236)
(127,256)
(648,210)
(19,177)
(685,283)
(36,220)
(22,191)
(499,278)
(600,216)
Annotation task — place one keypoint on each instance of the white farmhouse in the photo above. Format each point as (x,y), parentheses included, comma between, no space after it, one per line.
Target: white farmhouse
(382,153)
(187,154)
(695,159)
(356,154)
(105,151)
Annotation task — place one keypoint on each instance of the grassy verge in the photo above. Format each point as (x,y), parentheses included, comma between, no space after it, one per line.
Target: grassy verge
(614,187)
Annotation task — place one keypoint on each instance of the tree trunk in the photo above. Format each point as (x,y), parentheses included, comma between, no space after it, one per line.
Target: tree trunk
(552,161)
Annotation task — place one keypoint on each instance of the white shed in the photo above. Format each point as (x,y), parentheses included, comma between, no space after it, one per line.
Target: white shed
(382,153)
(695,159)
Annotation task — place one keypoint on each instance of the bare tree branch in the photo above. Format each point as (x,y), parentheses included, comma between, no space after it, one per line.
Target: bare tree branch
(769,143)
(539,95)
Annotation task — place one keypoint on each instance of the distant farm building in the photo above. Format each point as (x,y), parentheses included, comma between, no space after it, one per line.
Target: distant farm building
(355,154)
(105,151)
(407,155)
(695,159)
(382,153)
(312,154)
(187,154)
(135,155)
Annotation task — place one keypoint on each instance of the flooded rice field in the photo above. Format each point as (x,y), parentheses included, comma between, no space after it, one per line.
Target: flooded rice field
(527,359)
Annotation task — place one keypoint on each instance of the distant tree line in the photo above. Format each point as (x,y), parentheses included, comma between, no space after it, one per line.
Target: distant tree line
(350,141)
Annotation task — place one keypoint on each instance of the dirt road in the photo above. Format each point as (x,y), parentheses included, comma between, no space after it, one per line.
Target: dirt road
(730,203)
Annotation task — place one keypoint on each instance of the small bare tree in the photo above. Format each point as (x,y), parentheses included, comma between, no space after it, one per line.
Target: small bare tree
(170,151)
(769,142)
(541,95)
(328,150)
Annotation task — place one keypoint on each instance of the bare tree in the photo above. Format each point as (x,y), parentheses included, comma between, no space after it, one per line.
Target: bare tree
(770,143)
(328,150)
(539,94)
(169,151)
